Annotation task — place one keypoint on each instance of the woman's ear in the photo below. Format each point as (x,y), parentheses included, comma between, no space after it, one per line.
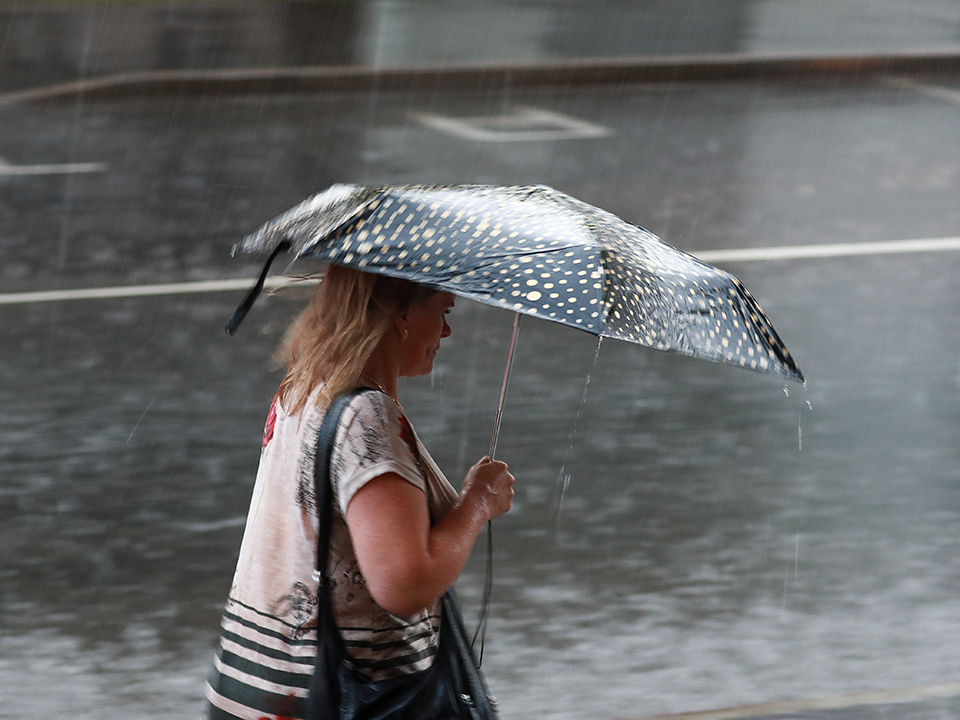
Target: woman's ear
(400,323)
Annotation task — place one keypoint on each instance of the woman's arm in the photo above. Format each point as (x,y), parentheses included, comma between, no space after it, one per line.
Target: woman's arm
(406,563)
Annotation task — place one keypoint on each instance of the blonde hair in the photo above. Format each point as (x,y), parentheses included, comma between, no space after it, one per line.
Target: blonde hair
(332,340)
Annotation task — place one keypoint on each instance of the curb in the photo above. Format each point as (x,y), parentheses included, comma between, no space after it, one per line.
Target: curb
(583,71)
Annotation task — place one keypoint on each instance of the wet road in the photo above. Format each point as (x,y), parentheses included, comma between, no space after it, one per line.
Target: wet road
(686,536)
(50,43)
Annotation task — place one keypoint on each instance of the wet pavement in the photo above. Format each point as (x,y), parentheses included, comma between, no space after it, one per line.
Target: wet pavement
(693,537)
(49,43)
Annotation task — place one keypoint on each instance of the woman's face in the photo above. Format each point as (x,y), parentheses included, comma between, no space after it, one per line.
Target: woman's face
(426,325)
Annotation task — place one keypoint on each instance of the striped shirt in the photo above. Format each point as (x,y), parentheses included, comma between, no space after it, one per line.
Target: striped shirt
(268,632)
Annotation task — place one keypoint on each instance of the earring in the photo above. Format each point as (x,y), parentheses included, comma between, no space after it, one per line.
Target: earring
(405,333)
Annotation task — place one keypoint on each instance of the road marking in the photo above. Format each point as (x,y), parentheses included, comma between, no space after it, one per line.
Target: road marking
(836,702)
(128,291)
(941,93)
(797,252)
(50,169)
(524,124)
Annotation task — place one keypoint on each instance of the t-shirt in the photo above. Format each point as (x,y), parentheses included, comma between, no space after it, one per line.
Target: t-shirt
(268,632)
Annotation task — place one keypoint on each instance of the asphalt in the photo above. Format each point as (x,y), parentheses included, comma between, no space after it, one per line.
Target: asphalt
(117,50)
(101,52)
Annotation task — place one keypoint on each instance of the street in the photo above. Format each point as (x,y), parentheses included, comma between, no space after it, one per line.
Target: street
(686,537)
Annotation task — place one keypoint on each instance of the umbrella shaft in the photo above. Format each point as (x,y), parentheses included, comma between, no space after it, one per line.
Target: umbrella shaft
(503,387)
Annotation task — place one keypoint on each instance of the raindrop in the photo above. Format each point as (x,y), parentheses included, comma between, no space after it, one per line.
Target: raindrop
(132,432)
(786,583)
(796,558)
(563,480)
(799,432)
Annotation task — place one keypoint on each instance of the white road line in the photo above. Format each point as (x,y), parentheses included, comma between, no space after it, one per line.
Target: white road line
(50,169)
(941,93)
(798,252)
(837,702)
(187,288)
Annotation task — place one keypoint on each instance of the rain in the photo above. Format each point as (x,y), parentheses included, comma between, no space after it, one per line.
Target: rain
(688,539)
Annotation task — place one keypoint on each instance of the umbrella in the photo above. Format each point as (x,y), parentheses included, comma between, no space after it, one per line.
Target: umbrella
(538,252)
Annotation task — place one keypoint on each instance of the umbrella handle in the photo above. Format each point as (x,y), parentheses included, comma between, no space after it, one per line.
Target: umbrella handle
(503,387)
(481,631)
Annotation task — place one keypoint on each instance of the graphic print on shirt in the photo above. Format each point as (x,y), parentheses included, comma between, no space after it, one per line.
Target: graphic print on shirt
(409,437)
(370,447)
(299,607)
(363,449)
(346,575)
(306,496)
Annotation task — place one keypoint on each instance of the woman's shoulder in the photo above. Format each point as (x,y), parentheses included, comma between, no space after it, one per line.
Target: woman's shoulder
(371,414)
(362,401)
(369,403)
(373,438)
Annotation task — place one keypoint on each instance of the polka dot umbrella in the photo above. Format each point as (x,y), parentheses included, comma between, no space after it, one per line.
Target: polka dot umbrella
(538,252)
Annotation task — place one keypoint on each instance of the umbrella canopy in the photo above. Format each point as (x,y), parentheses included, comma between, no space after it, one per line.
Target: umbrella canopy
(538,252)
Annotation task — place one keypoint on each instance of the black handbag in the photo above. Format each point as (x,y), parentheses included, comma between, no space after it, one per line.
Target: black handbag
(451,689)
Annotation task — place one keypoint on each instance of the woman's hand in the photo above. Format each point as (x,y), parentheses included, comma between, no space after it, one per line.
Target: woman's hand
(490,485)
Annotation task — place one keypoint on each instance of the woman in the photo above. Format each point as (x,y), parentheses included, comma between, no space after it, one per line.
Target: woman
(401,533)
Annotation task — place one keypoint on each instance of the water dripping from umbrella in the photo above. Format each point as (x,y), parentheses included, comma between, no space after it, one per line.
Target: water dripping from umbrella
(563,478)
(786,392)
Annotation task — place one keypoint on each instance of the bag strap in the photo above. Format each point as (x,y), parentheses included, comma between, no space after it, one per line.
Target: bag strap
(324,493)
